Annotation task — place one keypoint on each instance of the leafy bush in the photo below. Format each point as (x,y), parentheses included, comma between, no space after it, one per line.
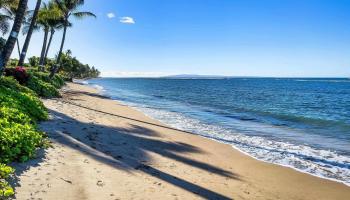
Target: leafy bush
(42,88)
(19,99)
(20,109)
(5,189)
(19,137)
(34,61)
(19,73)
(11,83)
(57,81)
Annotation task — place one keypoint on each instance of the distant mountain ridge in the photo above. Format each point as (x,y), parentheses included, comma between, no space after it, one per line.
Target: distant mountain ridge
(195,76)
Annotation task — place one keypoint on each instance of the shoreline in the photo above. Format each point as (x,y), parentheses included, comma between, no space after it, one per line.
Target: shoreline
(154,162)
(100,91)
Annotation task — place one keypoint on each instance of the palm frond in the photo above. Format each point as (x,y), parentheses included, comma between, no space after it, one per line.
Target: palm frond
(80,15)
(9,12)
(4,26)
(61,5)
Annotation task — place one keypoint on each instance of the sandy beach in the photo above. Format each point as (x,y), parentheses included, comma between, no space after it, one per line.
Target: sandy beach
(104,150)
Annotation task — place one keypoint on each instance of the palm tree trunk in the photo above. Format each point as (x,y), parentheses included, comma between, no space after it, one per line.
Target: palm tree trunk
(18,48)
(58,61)
(29,34)
(43,49)
(10,43)
(48,45)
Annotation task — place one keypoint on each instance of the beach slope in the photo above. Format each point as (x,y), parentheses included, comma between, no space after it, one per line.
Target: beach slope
(105,150)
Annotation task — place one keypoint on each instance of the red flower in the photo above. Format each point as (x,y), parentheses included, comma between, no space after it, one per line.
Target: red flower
(20,69)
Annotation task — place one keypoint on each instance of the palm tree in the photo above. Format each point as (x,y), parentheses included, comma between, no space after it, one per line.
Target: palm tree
(54,25)
(49,18)
(68,8)
(10,43)
(4,3)
(9,14)
(29,34)
(4,24)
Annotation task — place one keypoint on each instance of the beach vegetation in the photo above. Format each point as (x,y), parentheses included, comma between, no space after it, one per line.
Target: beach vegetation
(5,189)
(24,83)
(73,68)
(19,73)
(20,110)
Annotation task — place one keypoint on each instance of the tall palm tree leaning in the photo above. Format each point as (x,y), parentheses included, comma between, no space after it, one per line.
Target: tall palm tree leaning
(29,34)
(54,25)
(8,15)
(46,14)
(68,8)
(10,43)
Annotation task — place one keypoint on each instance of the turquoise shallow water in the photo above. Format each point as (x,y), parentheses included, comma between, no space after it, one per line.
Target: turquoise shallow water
(300,123)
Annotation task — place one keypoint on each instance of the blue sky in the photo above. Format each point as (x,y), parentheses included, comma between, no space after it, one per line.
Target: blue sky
(222,37)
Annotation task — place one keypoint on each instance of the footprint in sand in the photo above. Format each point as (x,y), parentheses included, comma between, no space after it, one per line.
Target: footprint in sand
(100,183)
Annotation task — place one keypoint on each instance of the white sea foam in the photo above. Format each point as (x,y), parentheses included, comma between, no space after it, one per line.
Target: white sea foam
(321,163)
(323,80)
(84,82)
(98,87)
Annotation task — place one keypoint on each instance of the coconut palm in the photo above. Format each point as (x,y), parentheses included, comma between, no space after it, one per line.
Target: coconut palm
(10,43)
(29,34)
(5,3)
(9,14)
(49,19)
(54,25)
(5,18)
(68,8)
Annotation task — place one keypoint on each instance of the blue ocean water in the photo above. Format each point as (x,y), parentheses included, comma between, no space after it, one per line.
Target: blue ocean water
(296,122)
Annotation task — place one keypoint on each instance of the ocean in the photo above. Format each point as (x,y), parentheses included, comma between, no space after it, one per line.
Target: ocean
(295,122)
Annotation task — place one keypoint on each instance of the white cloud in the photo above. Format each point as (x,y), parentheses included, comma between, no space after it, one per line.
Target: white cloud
(131,74)
(110,15)
(127,20)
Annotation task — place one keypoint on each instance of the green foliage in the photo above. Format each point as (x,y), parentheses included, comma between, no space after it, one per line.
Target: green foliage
(13,63)
(5,171)
(11,83)
(20,109)
(19,137)
(20,98)
(71,67)
(57,81)
(5,189)
(42,88)
(33,61)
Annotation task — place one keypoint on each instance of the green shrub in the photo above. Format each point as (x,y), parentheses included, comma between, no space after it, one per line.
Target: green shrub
(5,189)
(57,81)
(42,88)
(27,103)
(19,138)
(11,83)
(20,109)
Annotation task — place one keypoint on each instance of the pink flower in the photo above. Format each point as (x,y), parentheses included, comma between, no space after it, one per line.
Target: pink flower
(20,69)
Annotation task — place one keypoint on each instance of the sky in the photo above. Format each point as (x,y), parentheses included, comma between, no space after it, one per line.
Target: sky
(274,38)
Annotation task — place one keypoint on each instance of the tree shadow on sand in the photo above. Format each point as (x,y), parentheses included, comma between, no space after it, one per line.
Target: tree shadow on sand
(128,149)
